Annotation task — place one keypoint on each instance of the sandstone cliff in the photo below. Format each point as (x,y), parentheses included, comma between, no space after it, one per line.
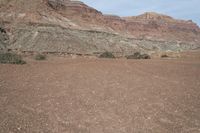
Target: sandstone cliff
(72,27)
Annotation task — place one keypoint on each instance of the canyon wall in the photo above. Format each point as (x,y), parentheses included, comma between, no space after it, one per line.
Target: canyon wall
(73,27)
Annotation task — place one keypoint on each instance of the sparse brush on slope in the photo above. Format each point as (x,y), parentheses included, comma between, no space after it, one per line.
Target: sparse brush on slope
(11,58)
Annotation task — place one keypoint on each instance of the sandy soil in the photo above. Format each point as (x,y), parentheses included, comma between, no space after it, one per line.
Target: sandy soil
(100,96)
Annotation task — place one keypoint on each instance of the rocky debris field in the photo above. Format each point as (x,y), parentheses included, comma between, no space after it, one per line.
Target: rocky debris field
(85,94)
(100,95)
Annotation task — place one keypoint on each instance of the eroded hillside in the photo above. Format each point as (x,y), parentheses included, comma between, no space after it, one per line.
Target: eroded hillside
(73,27)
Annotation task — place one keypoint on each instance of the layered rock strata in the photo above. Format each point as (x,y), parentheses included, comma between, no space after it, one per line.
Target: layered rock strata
(73,27)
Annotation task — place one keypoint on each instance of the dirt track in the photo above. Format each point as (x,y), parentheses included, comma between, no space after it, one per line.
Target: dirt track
(100,96)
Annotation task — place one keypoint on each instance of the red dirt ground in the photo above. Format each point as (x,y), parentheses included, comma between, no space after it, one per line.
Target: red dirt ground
(100,96)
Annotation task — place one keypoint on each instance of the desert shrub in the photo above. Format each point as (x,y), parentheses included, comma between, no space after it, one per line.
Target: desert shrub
(40,57)
(145,56)
(138,55)
(164,56)
(107,55)
(134,56)
(11,58)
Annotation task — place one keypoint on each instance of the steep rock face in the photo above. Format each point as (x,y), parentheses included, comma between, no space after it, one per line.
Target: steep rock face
(148,25)
(115,22)
(76,10)
(158,25)
(73,27)
(20,6)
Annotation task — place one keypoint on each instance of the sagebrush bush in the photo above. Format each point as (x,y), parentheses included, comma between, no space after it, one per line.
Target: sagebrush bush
(164,56)
(11,58)
(40,57)
(138,55)
(134,56)
(145,56)
(107,55)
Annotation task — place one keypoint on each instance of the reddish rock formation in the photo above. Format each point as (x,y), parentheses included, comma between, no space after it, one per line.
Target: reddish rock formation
(73,14)
(158,25)
(76,10)
(148,25)
(155,21)
(115,22)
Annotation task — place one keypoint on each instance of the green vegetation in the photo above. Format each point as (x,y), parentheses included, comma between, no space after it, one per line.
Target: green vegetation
(138,55)
(40,57)
(107,55)
(11,58)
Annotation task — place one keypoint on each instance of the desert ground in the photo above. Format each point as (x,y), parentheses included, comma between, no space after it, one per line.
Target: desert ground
(83,95)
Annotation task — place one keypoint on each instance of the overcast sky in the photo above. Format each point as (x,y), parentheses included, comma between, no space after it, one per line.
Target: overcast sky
(182,9)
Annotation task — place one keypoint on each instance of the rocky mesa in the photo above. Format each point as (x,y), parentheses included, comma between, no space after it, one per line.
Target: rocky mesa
(70,26)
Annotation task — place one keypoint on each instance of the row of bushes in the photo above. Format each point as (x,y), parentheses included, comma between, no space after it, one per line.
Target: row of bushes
(136,55)
(11,58)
